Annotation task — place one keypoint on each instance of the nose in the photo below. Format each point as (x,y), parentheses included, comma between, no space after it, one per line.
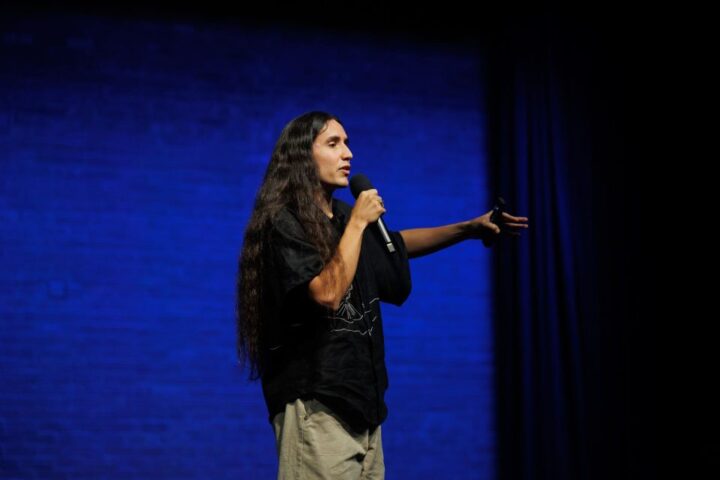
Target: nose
(347,153)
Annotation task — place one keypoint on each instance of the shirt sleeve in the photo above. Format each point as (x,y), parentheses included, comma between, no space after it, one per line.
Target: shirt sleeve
(391,270)
(296,260)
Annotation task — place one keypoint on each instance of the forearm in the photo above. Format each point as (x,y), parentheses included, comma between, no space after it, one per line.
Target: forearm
(329,287)
(423,241)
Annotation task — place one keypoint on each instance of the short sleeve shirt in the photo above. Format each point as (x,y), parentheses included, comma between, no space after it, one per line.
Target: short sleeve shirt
(337,357)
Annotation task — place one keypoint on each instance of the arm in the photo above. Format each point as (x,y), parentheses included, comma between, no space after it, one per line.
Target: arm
(321,287)
(368,208)
(423,241)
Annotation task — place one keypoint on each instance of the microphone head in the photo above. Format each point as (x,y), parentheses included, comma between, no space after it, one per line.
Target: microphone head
(359,183)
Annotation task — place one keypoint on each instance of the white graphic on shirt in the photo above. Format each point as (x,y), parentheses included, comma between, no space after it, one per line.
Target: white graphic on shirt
(347,310)
(348,319)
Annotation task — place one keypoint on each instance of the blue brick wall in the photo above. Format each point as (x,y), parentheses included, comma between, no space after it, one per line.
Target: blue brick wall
(130,153)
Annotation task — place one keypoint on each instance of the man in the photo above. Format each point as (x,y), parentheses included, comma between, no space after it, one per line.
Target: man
(310,282)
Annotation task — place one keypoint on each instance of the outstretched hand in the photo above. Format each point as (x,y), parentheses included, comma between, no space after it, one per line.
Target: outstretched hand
(482,228)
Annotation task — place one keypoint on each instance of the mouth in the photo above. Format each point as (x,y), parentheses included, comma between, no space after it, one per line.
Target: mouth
(345,169)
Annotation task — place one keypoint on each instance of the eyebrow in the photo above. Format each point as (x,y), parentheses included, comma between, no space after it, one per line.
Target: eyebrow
(336,138)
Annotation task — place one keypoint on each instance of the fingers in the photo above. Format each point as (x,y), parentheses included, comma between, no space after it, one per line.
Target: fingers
(371,193)
(517,219)
(371,204)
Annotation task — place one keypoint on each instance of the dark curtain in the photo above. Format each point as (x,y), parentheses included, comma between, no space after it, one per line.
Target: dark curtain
(575,380)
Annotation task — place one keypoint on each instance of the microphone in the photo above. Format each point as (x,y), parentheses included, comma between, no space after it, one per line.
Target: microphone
(497,211)
(360,183)
(496,218)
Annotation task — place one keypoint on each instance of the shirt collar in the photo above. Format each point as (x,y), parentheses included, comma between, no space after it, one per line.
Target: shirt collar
(338,214)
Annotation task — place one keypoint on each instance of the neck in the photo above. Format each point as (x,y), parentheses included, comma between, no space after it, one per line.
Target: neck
(325,202)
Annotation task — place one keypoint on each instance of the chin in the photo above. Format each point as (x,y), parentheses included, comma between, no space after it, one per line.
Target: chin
(335,185)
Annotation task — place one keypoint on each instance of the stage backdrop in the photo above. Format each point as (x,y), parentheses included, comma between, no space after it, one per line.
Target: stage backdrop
(130,154)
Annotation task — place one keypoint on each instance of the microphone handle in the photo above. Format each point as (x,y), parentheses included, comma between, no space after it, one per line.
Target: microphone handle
(386,237)
(497,211)
(496,218)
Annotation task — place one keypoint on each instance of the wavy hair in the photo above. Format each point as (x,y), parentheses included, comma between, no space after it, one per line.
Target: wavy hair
(291,180)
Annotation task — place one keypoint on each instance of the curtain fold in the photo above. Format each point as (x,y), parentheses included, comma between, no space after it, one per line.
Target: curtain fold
(560,314)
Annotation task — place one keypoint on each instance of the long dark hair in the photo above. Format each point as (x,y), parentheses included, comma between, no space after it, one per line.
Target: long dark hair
(291,180)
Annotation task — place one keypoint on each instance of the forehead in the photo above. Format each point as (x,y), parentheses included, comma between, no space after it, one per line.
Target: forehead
(332,129)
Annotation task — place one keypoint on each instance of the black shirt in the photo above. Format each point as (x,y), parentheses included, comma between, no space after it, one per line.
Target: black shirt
(312,352)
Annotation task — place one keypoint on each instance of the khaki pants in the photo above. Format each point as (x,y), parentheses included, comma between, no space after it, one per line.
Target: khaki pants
(314,443)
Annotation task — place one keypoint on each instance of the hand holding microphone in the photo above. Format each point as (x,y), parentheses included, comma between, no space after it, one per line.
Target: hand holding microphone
(369,207)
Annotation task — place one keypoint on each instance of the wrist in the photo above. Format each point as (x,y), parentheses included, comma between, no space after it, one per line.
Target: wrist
(465,229)
(356,224)
(474,231)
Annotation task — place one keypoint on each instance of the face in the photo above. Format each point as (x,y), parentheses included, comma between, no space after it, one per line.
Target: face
(332,156)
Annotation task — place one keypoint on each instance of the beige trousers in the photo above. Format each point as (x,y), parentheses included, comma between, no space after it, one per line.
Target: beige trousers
(314,443)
